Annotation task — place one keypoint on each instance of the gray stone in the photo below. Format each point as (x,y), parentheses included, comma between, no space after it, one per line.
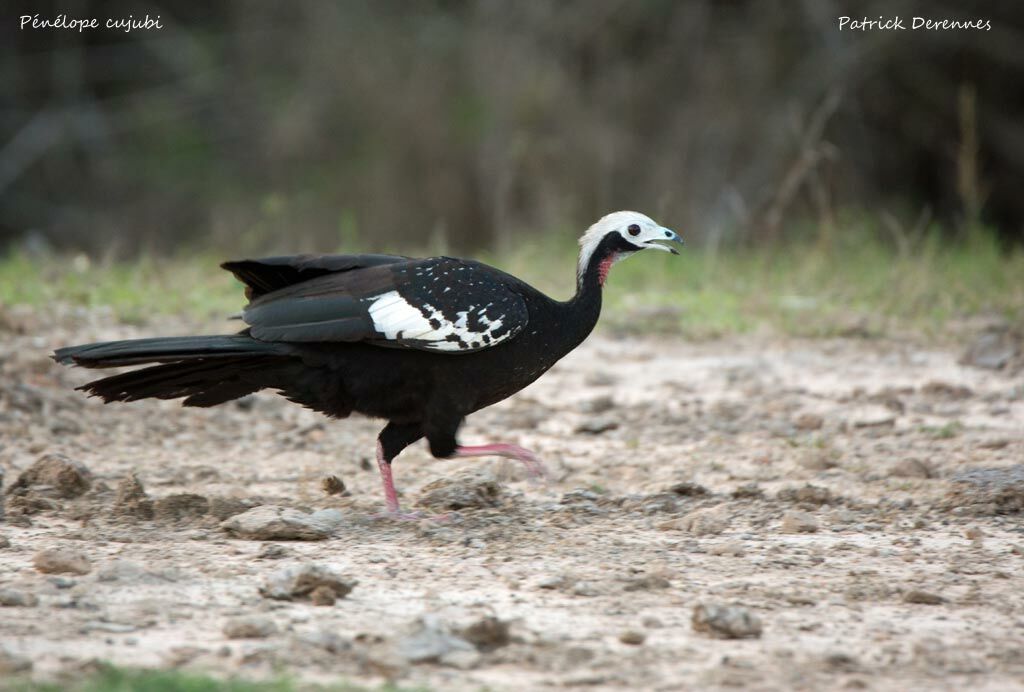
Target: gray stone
(12,664)
(428,643)
(597,425)
(301,581)
(272,522)
(18,599)
(62,561)
(249,627)
(475,489)
(55,475)
(726,622)
(795,521)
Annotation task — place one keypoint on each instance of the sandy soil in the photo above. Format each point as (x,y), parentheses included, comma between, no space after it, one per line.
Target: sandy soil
(860,498)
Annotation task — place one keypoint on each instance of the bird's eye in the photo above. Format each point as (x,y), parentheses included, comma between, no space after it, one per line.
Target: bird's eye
(634,229)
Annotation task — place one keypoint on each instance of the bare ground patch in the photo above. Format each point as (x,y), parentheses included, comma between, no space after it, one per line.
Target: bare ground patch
(860,499)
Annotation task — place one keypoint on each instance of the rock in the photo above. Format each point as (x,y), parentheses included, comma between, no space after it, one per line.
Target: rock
(819,458)
(131,499)
(249,627)
(461,659)
(5,542)
(730,548)
(272,551)
(649,582)
(385,661)
(702,522)
(871,416)
(555,581)
(658,503)
(475,489)
(924,597)
(180,507)
(597,425)
(807,495)
(322,596)
(331,642)
(986,491)
(62,561)
(944,390)
(600,379)
(808,421)
(428,643)
(748,491)
(795,521)
(272,522)
(226,507)
(332,485)
(688,489)
(302,580)
(996,348)
(585,588)
(911,468)
(32,500)
(127,571)
(54,475)
(726,622)
(487,634)
(108,627)
(632,637)
(600,404)
(14,598)
(1,495)
(12,664)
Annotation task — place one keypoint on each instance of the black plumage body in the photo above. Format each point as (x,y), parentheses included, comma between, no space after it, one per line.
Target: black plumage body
(420,343)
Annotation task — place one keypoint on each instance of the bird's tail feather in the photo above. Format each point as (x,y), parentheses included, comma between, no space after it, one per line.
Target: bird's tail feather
(111,354)
(206,370)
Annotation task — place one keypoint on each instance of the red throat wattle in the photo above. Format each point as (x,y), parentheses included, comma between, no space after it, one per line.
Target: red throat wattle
(605,267)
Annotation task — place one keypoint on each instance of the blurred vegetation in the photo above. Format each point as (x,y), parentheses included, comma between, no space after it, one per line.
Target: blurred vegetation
(854,287)
(114,679)
(251,126)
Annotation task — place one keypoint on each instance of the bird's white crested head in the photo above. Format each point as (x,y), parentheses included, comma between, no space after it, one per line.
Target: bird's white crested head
(631,232)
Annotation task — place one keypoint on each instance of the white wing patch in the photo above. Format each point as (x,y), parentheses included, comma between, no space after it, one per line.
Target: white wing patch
(396,319)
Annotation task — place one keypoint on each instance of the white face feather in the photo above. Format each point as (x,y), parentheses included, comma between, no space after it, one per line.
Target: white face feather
(620,222)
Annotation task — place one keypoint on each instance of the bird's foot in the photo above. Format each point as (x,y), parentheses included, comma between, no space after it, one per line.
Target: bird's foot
(536,472)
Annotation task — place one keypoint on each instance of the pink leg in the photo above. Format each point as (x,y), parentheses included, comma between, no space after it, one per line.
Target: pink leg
(534,467)
(391,497)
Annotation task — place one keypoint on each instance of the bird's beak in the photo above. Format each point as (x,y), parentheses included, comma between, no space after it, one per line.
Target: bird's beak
(667,236)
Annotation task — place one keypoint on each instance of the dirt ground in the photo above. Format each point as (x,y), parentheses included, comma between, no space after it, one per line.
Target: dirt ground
(854,505)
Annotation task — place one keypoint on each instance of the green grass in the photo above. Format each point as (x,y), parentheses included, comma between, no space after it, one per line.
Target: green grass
(113,679)
(857,288)
(854,288)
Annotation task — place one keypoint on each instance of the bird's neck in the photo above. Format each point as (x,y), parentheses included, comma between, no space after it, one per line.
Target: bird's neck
(584,308)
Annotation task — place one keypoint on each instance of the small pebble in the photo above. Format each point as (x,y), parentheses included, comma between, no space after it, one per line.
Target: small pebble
(923,597)
(632,637)
(809,421)
(322,596)
(62,561)
(18,599)
(795,521)
(249,627)
(726,622)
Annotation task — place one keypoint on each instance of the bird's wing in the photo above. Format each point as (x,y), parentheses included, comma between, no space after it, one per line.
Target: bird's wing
(439,304)
(263,276)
